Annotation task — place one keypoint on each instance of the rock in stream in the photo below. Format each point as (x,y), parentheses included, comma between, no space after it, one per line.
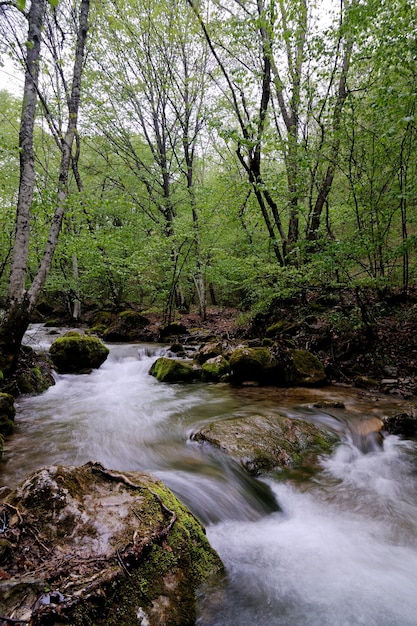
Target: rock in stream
(88,546)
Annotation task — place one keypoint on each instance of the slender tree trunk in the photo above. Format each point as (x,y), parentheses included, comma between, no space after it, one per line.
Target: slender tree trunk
(67,143)
(16,319)
(21,302)
(20,253)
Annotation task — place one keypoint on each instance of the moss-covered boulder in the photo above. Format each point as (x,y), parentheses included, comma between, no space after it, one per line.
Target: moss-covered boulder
(172,331)
(128,326)
(209,351)
(74,353)
(88,546)
(280,328)
(7,413)
(173,371)
(215,369)
(251,364)
(33,373)
(268,443)
(304,369)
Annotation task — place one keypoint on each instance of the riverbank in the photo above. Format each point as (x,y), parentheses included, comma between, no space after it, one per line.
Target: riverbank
(364,338)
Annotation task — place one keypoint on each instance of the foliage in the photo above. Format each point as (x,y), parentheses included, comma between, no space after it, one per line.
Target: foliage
(227,154)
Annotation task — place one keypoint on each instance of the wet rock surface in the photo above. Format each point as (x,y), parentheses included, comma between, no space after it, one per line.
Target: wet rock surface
(173,371)
(265,443)
(74,353)
(89,546)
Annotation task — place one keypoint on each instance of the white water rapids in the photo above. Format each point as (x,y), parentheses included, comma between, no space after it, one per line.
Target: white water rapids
(338,550)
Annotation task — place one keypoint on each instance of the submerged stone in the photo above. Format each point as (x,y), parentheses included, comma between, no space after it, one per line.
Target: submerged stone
(265,443)
(88,546)
(74,353)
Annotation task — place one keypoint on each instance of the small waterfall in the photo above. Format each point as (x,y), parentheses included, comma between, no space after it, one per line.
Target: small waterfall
(339,549)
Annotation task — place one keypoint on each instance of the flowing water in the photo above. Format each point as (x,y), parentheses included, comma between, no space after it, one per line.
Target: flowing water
(339,549)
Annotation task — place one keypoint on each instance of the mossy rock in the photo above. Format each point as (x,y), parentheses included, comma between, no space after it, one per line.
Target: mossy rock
(251,364)
(304,369)
(51,323)
(172,330)
(268,443)
(215,369)
(365,382)
(280,328)
(33,373)
(74,354)
(172,371)
(33,381)
(7,413)
(208,351)
(128,326)
(111,549)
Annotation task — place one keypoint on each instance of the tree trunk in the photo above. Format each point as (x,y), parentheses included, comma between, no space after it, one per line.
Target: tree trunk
(21,302)
(27,158)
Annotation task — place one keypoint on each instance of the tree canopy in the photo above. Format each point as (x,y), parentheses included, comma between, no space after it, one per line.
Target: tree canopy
(218,153)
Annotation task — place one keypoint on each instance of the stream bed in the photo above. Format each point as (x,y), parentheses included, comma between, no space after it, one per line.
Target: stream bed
(338,549)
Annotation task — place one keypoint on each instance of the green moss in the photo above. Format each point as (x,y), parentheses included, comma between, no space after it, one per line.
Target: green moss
(51,323)
(7,413)
(76,353)
(250,364)
(278,328)
(127,326)
(172,371)
(305,369)
(165,582)
(98,329)
(215,369)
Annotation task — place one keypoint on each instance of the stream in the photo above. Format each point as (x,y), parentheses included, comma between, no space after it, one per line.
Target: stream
(338,549)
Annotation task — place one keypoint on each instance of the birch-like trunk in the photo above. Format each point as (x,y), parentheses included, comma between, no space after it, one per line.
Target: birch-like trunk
(20,253)
(21,302)
(65,165)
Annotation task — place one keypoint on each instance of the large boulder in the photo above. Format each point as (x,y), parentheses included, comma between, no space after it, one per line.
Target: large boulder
(304,369)
(251,364)
(88,546)
(33,373)
(172,331)
(268,443)
(128,326)
(74,353)
(173,371)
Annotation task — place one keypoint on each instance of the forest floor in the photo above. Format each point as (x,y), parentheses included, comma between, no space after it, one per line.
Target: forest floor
(363,338)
